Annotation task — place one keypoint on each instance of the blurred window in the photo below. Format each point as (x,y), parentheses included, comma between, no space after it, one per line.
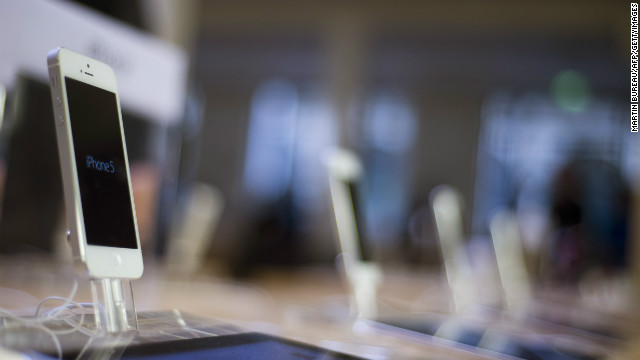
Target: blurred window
(526,139)
(288,130)
(271,141)
(570,164)
(390,128)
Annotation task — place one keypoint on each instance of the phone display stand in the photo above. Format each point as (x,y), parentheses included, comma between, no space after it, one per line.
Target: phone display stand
(115,311)
(364,278)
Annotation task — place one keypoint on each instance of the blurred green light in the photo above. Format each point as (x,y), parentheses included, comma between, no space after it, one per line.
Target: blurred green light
(570,91)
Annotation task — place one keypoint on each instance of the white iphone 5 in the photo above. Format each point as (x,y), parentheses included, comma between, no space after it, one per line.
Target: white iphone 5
(103,229)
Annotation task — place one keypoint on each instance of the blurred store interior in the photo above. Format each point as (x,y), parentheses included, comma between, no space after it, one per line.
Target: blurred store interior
(510,120)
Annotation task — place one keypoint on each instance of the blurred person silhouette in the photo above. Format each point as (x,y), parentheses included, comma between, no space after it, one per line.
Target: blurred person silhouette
(589,209)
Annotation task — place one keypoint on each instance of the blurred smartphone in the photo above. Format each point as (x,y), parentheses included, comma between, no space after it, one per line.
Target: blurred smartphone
(103,229)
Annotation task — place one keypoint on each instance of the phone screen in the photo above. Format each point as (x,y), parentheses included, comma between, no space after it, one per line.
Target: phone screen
(100,162)
(364,247)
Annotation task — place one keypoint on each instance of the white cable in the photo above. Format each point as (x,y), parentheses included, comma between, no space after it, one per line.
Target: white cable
(36,323)
(39,321)
(68,300)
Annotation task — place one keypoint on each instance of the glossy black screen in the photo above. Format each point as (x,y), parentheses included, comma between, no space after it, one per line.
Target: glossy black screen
(100,162)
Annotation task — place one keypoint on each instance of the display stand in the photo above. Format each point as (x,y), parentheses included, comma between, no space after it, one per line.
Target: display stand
(115,311)
(364,278)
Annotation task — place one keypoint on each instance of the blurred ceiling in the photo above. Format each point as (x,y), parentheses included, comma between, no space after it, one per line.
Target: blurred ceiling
(462,16)
(448,43)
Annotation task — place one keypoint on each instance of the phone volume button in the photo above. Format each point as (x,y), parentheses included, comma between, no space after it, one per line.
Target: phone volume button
(59,120)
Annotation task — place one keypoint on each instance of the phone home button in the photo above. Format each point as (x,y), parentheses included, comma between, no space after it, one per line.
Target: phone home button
(116,260)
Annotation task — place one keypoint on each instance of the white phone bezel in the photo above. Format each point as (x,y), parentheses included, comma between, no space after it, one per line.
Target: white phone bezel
(91,261)
(3,96)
